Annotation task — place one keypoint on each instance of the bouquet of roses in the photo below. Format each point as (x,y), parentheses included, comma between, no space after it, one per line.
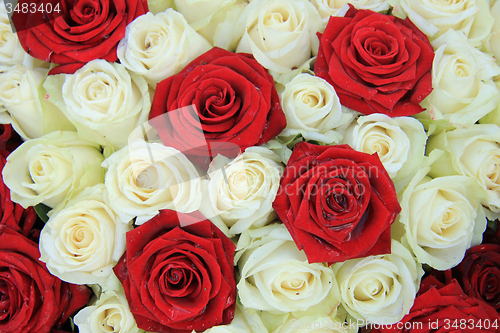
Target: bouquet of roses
(249,166)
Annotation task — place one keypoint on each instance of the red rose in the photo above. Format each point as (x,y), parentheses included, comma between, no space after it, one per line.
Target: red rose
(178,278)
(479,273)
(227,102)
(376,63)
(32,300)
(337,203)
(82,31)
(445,308)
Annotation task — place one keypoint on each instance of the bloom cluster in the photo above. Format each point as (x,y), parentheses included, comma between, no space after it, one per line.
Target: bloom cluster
(249,166)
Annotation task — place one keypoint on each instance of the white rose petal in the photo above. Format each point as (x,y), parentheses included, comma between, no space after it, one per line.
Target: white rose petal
(399,141)
(275,275)
(82,241)
(214,19)
(161,45)
(327,8)
(102,100)
(312,109)
(280,34)
(143,178)
(440,217)
(239,193)
(473,152)
(380,289)
(110,313)
(52,169)
(435,17)
(463,89)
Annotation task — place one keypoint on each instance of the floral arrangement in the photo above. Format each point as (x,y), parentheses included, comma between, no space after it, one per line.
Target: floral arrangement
(249,166)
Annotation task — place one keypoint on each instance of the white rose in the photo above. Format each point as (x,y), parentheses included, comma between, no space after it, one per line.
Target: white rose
(239,193)
(439,217)
(380,289)
(83,240)
(435,17)
(473,152)
(102,100)
(52,169)
(213,19)
(312,109)
(327,8)
(281,34)
(11,51)
(463,89)
(110,313)
(276,276)
(159,46)
(19,95)
(398,141)
(23,97)
(311,324)
(144,178)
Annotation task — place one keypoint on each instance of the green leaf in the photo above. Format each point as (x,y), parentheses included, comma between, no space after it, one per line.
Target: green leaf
(42,210)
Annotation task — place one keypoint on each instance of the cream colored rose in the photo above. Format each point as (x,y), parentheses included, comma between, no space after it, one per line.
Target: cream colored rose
(439,217)
(311,324)
(239,194)
(144,178)
(19,95)
(83,240)
(463,89)
(312,109)
(379,289)
(275,275)
(52,169)
(11,51)
(102,100)
(473,152)
(399,141)
(327,8)
(435,17)
(110,313)
(27,110)
(281,34)
(213,19)
(159,46)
